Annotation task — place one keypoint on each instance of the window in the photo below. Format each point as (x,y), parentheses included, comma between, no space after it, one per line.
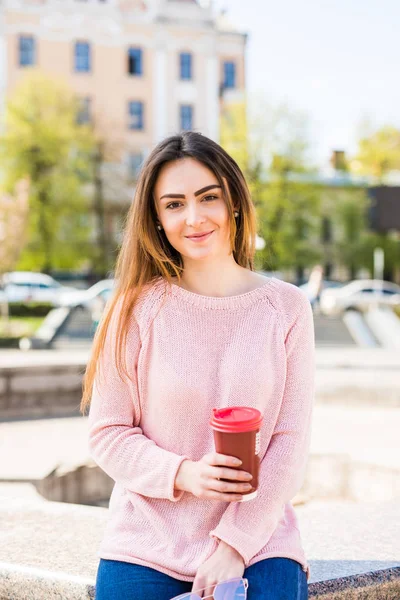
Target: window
(135,115)
(135,62)
(186,116)
(82,57)
(83,116)
(135,161)
(185,63)
(27,51)
(229,74)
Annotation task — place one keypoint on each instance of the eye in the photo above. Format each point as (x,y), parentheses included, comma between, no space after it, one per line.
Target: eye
(210,198)
(172,204)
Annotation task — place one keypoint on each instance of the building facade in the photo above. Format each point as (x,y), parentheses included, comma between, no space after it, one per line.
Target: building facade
(141,69)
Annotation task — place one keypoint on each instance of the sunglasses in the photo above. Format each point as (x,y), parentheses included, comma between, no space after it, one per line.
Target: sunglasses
(231,589)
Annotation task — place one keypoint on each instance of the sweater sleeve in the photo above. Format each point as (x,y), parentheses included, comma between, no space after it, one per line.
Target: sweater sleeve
(248,526)
(116,441)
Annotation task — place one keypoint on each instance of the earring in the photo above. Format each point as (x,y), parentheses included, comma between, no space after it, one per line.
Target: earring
(236,214)
(159,227)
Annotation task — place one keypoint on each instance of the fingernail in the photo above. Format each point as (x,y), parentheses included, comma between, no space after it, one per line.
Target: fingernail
(236,461)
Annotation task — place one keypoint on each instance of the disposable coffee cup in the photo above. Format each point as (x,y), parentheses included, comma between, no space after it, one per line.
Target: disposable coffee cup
(237,433)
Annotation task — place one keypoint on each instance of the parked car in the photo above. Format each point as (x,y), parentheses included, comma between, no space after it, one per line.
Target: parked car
(97,295)
(360,294)
(26,286)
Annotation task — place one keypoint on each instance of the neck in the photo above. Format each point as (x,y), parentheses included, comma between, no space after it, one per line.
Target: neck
(221,278)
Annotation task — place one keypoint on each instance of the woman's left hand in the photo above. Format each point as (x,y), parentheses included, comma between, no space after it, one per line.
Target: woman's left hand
(225,563)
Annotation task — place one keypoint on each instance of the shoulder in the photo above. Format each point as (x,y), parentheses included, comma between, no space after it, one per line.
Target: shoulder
(290,302)
(137,308)
(151,293)
(149,301)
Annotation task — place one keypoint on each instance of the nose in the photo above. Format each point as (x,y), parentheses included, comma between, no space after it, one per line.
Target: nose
(194,216)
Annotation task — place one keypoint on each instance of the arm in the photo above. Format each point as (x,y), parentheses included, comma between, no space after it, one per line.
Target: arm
(116,442)
(248,527)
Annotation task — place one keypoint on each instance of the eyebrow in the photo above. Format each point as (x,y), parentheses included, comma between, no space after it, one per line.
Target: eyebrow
(204,189)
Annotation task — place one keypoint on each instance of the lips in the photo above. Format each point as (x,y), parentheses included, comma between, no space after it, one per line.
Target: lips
(198,236)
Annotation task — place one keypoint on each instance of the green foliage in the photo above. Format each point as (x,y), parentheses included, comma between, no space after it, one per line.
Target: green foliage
(17,328)
(234,134)
(390,246)
(287,207)
(288,216)
(349,208)
(31,309)
(355,243)
(271,147)
(43,143)
(378,153)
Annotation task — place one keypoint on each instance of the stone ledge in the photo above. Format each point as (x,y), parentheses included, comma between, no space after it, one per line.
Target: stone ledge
(28,583)
(49,549)
(375,585)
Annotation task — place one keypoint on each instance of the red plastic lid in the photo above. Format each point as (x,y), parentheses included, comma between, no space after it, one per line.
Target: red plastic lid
(236,419)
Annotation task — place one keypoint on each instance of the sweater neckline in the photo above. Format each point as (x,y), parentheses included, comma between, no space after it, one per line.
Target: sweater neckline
(221,302)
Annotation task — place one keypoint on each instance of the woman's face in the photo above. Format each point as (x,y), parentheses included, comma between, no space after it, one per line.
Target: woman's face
(189,201)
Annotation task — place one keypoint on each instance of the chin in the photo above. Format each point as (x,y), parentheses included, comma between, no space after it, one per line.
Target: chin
(197,255)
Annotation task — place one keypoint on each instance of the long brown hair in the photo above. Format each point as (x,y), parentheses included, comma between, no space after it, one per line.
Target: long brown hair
(146,254)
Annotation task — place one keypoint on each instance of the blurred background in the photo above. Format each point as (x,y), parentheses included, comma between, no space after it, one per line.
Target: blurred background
(305,98)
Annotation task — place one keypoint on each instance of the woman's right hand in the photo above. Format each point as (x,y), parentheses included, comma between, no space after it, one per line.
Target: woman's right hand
(202,478)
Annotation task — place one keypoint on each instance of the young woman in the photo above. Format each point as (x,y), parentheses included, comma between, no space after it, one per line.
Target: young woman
(190,328)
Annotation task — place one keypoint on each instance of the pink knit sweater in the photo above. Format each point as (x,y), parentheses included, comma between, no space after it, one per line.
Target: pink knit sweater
(187,354)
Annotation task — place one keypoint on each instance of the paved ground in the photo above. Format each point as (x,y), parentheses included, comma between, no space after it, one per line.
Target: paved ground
(358,376)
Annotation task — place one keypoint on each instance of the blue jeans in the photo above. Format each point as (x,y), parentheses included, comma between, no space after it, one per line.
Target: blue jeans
(269,579)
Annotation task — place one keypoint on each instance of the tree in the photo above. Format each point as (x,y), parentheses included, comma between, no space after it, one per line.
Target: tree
(111,189)
(270,145)
(352,248)
(289,216)
(390,244)
(236,138)
(44,143)
(289,207)
(378,153)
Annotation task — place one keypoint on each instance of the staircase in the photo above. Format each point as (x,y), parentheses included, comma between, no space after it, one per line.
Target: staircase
(331,331)
(76,332)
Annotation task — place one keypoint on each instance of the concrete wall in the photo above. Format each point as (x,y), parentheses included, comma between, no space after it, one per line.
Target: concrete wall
(83,484)
(42,390)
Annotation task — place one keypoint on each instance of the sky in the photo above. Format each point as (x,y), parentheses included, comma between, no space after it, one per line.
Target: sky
(337,60)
